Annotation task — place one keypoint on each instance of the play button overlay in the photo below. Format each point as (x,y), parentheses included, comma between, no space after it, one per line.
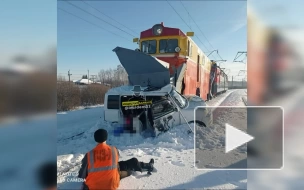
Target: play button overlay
(235,138)
(240,138)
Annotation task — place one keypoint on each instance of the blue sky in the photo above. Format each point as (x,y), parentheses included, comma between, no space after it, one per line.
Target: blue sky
(28,27)
(83,46)
(279,13)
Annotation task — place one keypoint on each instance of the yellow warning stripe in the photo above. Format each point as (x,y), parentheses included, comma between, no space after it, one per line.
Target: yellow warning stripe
(136,103)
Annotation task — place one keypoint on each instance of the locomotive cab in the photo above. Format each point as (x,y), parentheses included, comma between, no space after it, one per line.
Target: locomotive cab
(189,67)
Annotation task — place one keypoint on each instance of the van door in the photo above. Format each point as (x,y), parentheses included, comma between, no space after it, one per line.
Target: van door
(164,115)
(111,109)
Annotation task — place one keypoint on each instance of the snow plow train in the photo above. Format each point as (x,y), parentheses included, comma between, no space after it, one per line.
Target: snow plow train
(191,71)
(169,76)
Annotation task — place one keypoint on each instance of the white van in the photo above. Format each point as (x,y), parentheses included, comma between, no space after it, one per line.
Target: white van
(157,108)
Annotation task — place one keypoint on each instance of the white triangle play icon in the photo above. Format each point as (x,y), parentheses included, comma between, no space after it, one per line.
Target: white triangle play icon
(235,138)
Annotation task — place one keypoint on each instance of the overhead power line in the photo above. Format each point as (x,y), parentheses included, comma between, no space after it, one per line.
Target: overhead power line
(187,25)
(219,55)
(179,15)
(99,18)
(199,28)
(108,16)
(91,23)
(196,24)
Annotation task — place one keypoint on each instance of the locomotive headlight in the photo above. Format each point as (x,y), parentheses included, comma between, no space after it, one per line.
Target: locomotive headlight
(157,29)
(177,49)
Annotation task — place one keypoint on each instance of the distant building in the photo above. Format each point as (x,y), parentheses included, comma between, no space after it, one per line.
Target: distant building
(83,82)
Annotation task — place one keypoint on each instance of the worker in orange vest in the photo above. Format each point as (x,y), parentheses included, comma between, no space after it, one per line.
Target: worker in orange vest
(100,167)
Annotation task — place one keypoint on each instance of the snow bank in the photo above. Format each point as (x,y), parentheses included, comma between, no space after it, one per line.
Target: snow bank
(219,99)
(82,108)
(172,151)
(174,161)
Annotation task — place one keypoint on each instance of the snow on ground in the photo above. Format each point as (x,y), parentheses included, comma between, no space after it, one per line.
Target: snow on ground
(210,143)
(234,98)
(74,123)
(173,152)
(219,99)
(291,176)
(82,108)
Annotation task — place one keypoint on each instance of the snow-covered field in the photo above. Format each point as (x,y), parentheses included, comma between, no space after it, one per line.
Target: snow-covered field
(173,152)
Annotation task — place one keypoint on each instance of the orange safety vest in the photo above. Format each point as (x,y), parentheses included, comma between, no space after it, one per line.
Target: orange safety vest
(103,168)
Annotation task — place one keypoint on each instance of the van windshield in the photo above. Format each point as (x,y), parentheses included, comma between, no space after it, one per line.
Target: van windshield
(179,99)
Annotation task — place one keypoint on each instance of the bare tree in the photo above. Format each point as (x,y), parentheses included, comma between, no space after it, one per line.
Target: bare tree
(102,76)
(60,78)
(114,77)
(108,76)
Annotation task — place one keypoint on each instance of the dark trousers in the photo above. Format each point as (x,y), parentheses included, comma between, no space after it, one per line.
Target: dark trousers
(123,171)
(126,167)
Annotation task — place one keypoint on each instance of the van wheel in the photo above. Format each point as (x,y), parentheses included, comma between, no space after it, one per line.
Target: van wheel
(198,123)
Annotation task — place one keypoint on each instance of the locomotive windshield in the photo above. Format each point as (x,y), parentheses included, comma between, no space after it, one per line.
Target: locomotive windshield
(168,45)
(148,46)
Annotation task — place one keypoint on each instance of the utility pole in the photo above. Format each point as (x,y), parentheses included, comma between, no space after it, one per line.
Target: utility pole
(88,77)
(93,77)
(69,75)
